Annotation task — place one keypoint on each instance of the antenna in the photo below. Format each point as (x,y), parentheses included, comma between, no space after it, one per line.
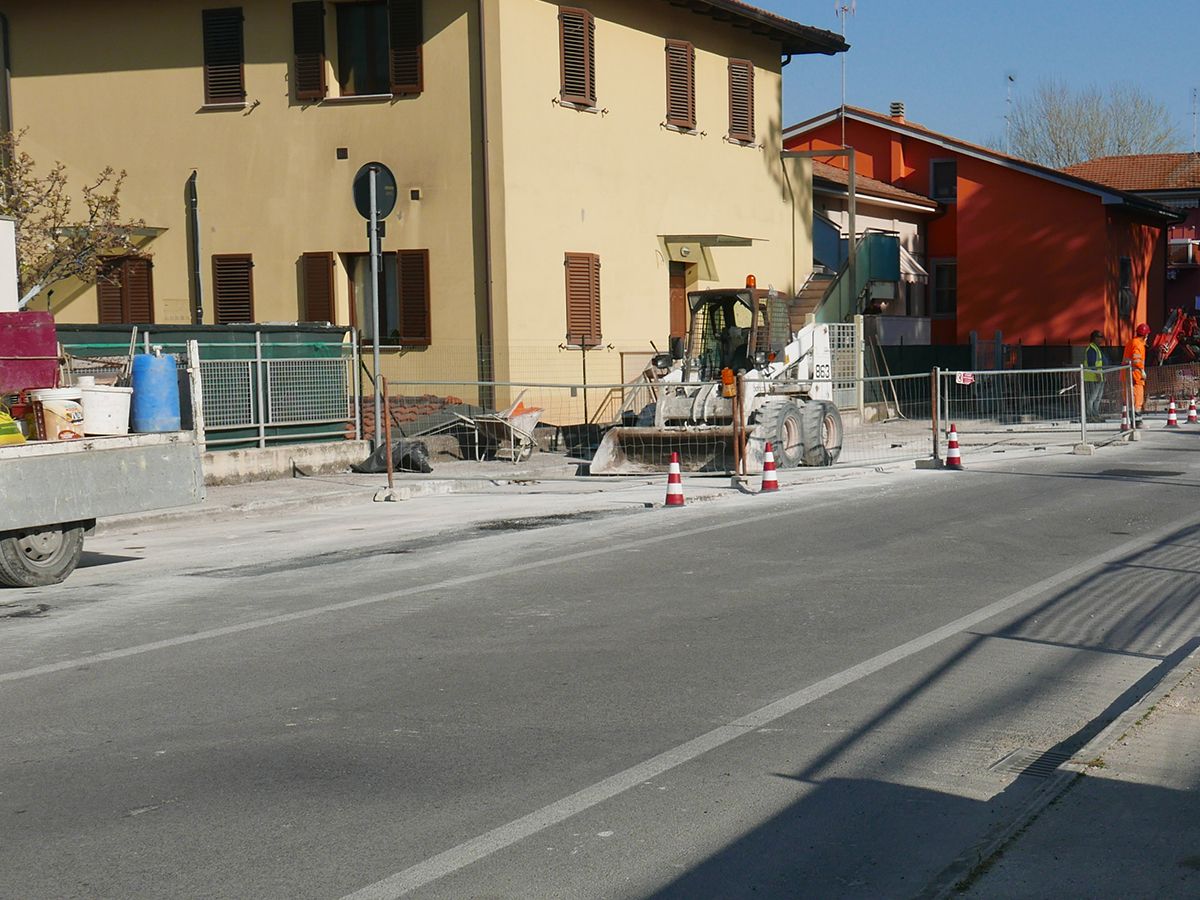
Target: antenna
(842,8)
(1193,121)
(1008,114)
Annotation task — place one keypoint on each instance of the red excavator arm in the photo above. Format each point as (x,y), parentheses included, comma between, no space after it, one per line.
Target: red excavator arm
(1181,329)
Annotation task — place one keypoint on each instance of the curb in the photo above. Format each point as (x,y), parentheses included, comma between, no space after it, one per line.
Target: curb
(974,860)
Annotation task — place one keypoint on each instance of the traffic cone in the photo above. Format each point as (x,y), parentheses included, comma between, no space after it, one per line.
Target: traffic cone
(770,482)
(1192,418)
(1125,418)
(674,483)
(953,457)
(1172,418)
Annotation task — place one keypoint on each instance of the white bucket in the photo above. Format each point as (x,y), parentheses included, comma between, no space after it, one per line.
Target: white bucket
(106,409)
(58,413)
(85,381)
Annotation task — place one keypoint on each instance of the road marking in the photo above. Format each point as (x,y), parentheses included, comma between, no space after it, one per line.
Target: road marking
(285,618)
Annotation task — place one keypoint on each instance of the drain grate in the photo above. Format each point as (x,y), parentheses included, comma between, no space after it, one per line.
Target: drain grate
(1034,763)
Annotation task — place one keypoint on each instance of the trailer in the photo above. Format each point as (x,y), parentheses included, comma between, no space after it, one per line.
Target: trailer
(52,493)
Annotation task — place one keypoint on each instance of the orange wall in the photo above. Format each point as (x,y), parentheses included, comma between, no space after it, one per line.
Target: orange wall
(1036,260)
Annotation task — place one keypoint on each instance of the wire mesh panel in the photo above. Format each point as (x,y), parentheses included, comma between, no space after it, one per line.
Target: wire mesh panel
(308,390)
(1180,382)
(229,392)
(843,350)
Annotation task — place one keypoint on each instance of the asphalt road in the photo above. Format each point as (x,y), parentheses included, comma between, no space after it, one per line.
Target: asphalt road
(829,692)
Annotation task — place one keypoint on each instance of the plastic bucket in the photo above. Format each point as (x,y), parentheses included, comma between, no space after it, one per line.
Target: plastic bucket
(58,413)
(106,409)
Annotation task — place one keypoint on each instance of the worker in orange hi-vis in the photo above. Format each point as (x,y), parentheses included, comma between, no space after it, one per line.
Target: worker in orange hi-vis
(1135,358)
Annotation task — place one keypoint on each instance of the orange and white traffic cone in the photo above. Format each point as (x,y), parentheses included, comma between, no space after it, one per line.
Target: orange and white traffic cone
(953,457)
(1172,418)
(1125,418)
(1192,419)
(770,481)
(674,483)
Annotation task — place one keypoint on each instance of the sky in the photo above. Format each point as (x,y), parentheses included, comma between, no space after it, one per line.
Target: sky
(949,60)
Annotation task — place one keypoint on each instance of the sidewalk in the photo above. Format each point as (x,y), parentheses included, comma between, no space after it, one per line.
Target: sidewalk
(1124,821)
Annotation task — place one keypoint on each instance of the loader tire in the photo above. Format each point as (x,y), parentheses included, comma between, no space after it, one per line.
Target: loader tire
(782,423)
(39,557)
(822,433)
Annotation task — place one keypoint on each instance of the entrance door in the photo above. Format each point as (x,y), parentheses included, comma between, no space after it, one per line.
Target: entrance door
(678,280)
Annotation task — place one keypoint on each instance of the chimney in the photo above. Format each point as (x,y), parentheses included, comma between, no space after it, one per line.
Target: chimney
(898,110)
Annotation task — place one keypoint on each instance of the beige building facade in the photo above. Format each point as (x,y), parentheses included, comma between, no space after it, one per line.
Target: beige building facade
(564,173)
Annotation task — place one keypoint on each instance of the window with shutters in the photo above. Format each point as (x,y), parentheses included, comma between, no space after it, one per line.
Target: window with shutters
(233,288)
(224,72)
(583,299)
(681,85)
(316,301)
(379,48)
(741,101)
(404,314)
(308,44)
(577,53)
(125,292)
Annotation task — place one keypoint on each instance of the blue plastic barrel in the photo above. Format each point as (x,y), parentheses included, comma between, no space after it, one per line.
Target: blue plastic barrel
(155,393)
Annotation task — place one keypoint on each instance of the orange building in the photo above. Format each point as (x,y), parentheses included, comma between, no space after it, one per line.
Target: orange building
(1037,254)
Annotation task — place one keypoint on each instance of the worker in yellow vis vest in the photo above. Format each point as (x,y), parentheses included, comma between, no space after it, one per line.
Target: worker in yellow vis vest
(1093,376)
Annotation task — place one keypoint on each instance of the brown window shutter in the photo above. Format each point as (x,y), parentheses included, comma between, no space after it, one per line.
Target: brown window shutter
(681,84)
(317,269)
(583,299)
(308,43)
(109,296)
(412,288)
(233,288)
(224,74)
(139,290)
(125,291)
(405,40)
(577,54)
(741,100)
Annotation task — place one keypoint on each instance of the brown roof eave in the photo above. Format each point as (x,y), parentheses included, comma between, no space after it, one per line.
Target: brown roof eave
(793,37)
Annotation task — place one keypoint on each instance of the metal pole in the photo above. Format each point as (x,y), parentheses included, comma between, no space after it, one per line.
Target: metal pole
(387,429)
(852,205)
(1082,408)
(356,384)
(259,374)
(860,369)
(586,417)
(196,382)
(375,310)
(935,379)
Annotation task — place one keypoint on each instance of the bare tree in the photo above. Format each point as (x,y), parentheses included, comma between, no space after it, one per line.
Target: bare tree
(1058,127)
(52,245)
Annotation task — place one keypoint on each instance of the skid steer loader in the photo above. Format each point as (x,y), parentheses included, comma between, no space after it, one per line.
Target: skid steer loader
(685,405)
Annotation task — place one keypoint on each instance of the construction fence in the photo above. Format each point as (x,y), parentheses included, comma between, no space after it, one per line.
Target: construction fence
(1036,407)
(248,393)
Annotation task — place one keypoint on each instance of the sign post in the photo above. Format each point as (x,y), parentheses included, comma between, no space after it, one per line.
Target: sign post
(375,198)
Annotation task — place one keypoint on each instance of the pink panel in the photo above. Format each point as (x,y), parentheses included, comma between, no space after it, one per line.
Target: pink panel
(28,351)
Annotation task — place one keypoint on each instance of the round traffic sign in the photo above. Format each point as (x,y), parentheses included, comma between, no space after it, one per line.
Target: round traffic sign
(385,190)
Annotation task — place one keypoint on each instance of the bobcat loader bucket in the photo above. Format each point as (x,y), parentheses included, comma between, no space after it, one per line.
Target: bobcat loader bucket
(647,451)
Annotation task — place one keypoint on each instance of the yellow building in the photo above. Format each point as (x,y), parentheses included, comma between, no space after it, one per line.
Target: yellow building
(564,173)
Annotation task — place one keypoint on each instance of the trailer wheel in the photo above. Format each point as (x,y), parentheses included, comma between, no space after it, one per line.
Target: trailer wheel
(783,425)
(822,433)
(36,558)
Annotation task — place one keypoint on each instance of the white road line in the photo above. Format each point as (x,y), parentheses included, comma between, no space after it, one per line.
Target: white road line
(284,618)
(497,839)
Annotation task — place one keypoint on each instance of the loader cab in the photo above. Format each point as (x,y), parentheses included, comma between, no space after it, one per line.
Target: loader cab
(734,329)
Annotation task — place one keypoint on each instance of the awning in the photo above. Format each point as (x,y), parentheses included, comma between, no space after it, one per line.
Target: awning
(694,248)
(910,269)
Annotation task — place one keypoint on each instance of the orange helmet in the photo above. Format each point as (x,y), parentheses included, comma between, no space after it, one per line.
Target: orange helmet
(1142,330)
